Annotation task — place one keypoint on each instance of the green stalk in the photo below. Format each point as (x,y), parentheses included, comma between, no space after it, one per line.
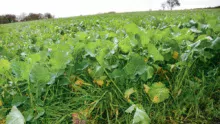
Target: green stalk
(114,83)
(111,80)
(30,94)
(12,79)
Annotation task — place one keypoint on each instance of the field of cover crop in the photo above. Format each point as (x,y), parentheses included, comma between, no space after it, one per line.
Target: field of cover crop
(144,67)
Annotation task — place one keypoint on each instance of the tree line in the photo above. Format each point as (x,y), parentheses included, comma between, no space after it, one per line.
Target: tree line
(170,4)
(10,18)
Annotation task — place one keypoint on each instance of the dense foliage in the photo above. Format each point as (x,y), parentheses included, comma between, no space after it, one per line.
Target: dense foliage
(158,67)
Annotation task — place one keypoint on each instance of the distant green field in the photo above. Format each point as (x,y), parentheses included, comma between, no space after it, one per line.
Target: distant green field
(142,67)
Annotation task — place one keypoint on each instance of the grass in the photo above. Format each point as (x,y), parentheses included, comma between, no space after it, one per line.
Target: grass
(193,100)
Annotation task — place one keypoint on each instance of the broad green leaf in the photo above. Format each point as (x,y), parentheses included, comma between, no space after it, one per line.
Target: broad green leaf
(2,81)
(153,52)
(135,65)
(5,65)
(18,100)
(201,37)
(43,55)
(131,28)
(145,39)
(40,112)
(15,117)
(125,45)
(117,73)
(184,35)
(216,43)
(21,69)
(201,44)
(82,65)
(148,74)
(195,30)
(40,74)
(101,57)
(97,72)
(29,115)
(33,58)
(90,48)
(78,47)
(81,35)
(60,59)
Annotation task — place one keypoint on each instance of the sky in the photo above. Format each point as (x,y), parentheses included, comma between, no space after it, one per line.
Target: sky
(68,8)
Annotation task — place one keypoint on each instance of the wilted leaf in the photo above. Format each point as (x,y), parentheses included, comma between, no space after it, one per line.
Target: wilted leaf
(130,109)
(141,116)
(15,117)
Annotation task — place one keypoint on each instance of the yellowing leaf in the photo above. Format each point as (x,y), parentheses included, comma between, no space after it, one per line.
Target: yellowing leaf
(1,103)
(145,59)
(108,82)
(158,85)
(72,78)
(89,71)
(146,88)
(3,121)
(172,67)
(15,117)
(128,93)
(155,99)
(79,82)
(159,70)
(99,82)
(175,55)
